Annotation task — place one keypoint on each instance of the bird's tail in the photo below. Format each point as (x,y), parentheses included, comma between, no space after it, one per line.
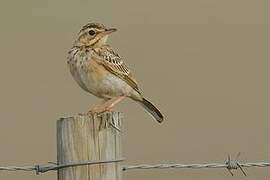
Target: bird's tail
(149,107)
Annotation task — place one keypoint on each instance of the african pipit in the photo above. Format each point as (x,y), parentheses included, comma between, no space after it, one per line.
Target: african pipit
(99,70)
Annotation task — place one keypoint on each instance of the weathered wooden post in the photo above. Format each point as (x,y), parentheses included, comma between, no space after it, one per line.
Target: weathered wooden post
(90,138)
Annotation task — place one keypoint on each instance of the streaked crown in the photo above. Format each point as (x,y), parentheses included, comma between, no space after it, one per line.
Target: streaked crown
(94,34)
(97,26)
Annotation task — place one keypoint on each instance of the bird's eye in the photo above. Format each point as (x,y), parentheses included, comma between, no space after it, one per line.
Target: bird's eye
(92,32)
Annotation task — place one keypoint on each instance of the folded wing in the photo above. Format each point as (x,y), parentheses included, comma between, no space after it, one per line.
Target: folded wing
(114,63)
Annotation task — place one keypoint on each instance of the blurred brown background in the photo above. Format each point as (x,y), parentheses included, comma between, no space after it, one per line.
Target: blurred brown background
(204,63)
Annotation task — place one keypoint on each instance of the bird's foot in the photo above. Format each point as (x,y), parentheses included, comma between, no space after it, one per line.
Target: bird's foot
(99,111)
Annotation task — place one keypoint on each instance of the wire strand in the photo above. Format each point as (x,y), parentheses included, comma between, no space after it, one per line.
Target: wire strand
(230,164)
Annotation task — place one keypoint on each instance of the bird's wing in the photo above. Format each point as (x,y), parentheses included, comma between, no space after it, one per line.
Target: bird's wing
(114,63)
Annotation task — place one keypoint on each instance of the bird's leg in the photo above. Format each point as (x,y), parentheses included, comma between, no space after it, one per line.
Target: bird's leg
(107,106)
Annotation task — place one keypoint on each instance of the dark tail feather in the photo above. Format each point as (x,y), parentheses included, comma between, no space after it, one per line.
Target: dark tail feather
(149,107)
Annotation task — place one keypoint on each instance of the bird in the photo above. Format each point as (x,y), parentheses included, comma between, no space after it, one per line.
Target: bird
(101,71)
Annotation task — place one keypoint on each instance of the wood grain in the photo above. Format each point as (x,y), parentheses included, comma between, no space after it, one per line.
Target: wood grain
(86,138)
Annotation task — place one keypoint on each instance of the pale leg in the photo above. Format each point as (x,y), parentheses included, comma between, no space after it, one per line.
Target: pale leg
(107,106)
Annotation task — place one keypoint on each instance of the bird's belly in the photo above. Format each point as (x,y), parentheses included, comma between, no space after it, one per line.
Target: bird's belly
(112,86)
(95,79)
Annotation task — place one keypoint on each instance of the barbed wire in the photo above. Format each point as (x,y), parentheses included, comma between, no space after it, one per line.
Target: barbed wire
(199,166)
(230,164)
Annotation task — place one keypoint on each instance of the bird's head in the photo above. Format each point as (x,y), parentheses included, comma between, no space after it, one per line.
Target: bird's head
(94,35)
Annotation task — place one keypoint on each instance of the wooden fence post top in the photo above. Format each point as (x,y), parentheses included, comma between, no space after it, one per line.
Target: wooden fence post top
(106,119)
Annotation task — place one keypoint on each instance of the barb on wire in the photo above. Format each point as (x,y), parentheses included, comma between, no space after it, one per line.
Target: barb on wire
(233,164)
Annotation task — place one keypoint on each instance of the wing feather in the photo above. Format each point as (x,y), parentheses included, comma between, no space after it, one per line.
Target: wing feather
(114,63)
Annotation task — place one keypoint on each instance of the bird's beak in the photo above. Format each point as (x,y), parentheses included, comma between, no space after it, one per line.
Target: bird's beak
(109,31)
